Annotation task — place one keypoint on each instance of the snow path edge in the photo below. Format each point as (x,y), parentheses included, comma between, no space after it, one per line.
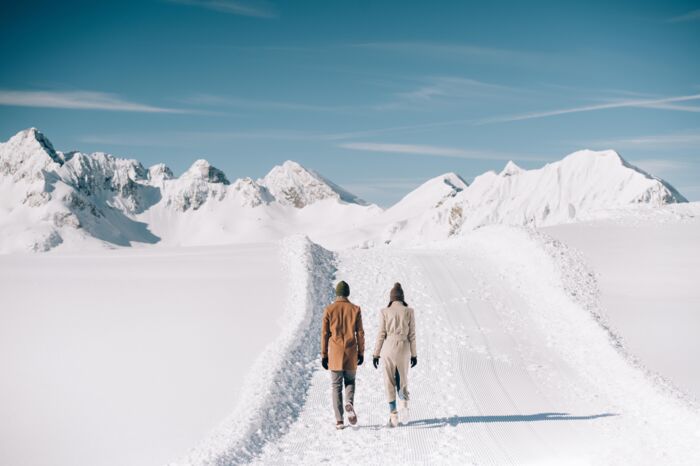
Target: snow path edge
(580,282)
(565,296)
(277,385)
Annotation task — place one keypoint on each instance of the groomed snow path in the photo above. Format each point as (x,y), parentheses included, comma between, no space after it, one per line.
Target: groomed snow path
(511,371)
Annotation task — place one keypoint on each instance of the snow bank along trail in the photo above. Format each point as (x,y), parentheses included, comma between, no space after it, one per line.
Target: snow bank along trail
(513,367)
(275,392)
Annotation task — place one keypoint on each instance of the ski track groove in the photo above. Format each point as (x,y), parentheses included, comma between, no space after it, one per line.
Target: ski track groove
(471,368)
(495,371)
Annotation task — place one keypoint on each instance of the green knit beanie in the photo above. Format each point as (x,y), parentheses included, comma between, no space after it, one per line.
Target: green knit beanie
(342,289)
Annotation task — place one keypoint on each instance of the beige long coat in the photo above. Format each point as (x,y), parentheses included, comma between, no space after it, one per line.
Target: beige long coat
(342,335)
(396,344)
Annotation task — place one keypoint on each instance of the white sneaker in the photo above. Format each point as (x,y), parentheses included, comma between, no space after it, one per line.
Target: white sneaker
(393,419)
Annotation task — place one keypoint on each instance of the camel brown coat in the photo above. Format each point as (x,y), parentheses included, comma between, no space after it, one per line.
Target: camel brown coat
(342,335)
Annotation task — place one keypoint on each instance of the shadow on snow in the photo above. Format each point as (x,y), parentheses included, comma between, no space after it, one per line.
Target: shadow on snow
(457,420)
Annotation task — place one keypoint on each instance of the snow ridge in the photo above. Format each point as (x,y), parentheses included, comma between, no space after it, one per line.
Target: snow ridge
(50,198)
(281,376)
(578,187)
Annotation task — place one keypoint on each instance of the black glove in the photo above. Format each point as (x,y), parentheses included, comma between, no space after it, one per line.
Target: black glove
(414,361)
(375,362)
(324,363)
(360,359)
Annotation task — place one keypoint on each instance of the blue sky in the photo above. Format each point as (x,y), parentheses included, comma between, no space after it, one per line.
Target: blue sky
(377,96)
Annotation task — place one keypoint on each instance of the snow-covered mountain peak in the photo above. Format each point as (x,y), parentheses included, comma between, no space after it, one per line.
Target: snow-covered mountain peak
(580,184)
(432,193)
(203,170)
(587,161)
(51,197)
(510,169)
(33,139)
(609,168)
(160,172)
(292,184)
(453,180)
(27,154)
(249,193)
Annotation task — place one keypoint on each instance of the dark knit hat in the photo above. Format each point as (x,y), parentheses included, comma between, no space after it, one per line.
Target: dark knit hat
(342,289)
(396,293)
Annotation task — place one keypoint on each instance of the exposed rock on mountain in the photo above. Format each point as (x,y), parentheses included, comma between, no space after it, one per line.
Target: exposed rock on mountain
(50,198)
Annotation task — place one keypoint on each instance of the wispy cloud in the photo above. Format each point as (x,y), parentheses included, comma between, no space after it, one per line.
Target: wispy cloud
(676,107)
(81,100)
(380,185)
(449,90)
(455,51)
(689,16)
(692,193)
(386,190)
(434,151)
(644,103)
(257,9)
(661,167)
(179,138)
(659,141)
(225,101)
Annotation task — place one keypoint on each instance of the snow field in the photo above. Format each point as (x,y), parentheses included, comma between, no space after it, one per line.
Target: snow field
(278,383)
(129,357)
(647,269)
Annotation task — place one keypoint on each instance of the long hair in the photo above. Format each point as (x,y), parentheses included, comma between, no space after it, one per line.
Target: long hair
(399,300)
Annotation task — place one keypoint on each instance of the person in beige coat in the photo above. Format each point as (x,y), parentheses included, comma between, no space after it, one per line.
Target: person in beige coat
(342,350)
(396,344)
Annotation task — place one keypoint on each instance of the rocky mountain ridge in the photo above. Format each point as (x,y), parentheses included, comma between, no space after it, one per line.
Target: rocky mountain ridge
(49,198)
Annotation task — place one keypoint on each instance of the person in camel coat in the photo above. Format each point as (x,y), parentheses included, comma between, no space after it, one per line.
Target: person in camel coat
(342,350)
(396,345)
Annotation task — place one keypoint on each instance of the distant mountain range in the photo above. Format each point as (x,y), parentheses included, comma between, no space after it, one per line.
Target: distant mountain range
(70,200)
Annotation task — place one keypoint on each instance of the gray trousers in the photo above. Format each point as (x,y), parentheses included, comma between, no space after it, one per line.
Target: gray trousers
(338,378)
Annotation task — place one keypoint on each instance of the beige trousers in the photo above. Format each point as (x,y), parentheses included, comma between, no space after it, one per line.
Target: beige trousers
(396,356)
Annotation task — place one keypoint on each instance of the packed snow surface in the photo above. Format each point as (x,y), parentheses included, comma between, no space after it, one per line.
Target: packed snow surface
(513,368)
